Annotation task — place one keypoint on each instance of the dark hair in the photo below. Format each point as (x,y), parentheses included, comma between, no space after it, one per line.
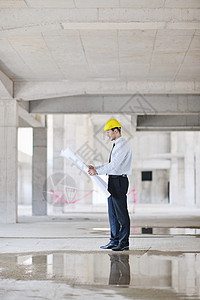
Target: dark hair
(118,128)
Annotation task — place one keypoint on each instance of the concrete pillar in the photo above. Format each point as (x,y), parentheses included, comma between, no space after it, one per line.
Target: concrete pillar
(58,142)
(8,161)
(197,169)
(189,169)
(39,172)
(174,170)
(58,180)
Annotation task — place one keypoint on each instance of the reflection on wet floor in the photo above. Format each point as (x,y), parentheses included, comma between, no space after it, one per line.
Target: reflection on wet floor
(176,274)
(154,231)
(119,269)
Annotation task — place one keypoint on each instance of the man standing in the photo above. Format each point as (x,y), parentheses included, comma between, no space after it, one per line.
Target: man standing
(118,167)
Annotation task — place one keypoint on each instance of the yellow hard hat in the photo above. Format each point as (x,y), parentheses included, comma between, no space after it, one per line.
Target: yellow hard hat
(112,123)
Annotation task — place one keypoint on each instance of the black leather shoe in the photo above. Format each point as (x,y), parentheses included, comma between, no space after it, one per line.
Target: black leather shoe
(108,246)
(120,248)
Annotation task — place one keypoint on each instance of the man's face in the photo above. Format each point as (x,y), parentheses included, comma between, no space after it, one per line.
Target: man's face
(111,134)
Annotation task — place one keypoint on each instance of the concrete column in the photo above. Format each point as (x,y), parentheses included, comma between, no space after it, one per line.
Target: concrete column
(58,142)
(39,172)
(174,170)
(58,180)
(8,161)
(197,168)
(189,169)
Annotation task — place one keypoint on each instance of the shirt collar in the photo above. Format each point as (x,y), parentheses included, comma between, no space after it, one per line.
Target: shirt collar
(118,140)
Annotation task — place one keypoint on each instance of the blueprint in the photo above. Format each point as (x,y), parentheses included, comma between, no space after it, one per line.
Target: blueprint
(69,154)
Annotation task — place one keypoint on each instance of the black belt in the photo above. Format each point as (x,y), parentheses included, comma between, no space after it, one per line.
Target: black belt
(117,176)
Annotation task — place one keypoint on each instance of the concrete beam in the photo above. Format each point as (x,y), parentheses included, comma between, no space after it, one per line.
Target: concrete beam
(22,123)
(176,122)
(131,104)
(33,29)
(6,87)
(32,121)
(34,16)
(99,4)
(131,26)
(42,90)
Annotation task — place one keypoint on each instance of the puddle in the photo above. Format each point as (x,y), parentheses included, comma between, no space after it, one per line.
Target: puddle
(177,275)
(153,231)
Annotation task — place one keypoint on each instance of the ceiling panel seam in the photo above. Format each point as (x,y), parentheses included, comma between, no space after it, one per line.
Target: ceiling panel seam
(58,67)
(119,67)
(20,57)
(176,74)
(84,51)
(154,43)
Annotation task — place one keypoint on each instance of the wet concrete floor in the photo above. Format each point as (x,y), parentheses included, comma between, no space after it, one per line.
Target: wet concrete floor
(61,259)
(138,275)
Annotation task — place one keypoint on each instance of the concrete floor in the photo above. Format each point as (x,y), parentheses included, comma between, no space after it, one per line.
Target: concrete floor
(58,257)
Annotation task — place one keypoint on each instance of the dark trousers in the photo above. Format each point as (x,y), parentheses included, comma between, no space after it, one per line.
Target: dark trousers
(117,210)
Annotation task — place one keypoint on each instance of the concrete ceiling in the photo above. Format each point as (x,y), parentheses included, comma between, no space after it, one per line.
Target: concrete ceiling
(53,48)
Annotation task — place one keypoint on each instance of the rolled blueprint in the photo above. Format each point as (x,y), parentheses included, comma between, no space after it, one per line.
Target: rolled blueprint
(69,154)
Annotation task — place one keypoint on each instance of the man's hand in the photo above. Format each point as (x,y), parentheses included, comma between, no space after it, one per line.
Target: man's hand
(90,167)
(92,171)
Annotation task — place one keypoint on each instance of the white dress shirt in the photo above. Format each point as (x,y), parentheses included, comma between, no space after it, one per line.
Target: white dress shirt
(121,160)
